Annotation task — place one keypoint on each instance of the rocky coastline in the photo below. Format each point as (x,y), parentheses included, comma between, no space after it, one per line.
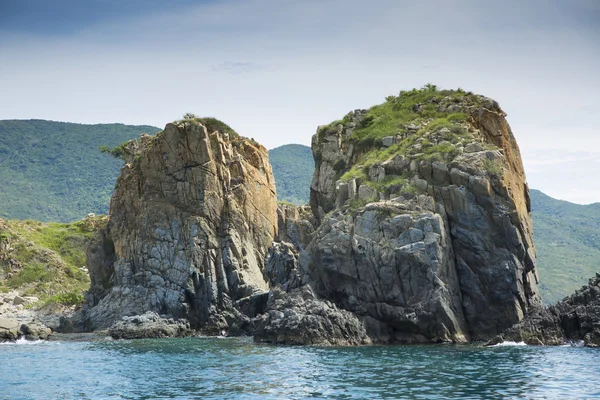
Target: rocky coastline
(422,234)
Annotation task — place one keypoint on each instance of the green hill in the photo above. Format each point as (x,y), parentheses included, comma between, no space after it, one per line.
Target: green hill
(293,168)
(567,238)
(54,171)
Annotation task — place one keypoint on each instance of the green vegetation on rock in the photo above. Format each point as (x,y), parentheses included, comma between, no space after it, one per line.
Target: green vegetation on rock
(423,124)
(567,238)
(46,260)
(53,171)
(293,168)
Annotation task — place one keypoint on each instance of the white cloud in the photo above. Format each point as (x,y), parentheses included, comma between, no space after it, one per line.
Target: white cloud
(276,69)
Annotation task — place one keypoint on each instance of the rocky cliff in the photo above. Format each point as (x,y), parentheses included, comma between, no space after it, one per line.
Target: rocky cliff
(191,218)
(425,227)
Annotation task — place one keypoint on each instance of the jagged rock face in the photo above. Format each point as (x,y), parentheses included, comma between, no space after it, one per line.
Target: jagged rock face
(576,318)
(474,268)
(299,317)
(191,219)
(392,264)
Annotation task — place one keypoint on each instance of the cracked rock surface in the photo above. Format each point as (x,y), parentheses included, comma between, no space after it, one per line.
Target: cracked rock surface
(191,219)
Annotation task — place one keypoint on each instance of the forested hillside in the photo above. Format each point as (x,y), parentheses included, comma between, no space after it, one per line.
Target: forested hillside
(54,171)
(567,238)
(293,168)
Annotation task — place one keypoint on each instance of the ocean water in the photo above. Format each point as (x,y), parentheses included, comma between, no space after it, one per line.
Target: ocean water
(233,368)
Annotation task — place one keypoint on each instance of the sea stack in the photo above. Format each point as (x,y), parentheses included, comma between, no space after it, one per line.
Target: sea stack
(191,219)
(425,227)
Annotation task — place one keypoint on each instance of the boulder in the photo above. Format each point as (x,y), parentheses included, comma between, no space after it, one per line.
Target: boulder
(387,141)
(9,329)
(35,331)
(300,318)
(150,325)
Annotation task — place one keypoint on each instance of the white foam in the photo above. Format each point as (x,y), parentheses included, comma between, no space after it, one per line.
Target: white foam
(510,343)
(24,341)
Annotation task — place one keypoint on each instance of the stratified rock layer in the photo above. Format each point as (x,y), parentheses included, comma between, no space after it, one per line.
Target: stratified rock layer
(191,219)
(450,255)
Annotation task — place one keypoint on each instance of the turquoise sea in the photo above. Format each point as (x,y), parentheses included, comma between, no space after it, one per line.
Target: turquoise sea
(233,368)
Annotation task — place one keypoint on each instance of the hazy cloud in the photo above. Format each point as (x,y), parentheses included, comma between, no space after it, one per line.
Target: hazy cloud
(276,69)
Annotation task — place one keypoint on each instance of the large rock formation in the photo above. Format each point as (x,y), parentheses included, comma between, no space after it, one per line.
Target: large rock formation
(191,219)
(419,230)
(444,250)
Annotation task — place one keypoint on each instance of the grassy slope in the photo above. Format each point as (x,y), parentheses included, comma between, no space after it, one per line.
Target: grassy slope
(54,171)
(293,168)
(567,238)
(46,260)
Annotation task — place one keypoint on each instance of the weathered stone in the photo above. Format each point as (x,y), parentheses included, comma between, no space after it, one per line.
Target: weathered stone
(366,193)
(9,329)
(342,193)
(396,165)
(35,331)
(352,188)
(18,300)
(473,148)
(394,268)
(300,318)
(440,173)
(150,325)
(387,141)
(282,266)
(458,177)
(192,217)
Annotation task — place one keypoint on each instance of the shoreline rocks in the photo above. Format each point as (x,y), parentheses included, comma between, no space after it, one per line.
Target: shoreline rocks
(574,319)
(150,325)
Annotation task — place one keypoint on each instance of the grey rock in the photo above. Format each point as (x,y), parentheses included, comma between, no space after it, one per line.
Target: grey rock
(282,266)
(440,173)
(342,191)
(150,325)
(18,300)
(387,141)
(473,148)
(576,318)
(366,193)
(393,269)
(352,188)
(300,318)
(35,331)
(9,329)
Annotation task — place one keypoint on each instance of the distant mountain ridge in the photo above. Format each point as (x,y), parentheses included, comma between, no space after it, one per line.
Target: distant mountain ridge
(54,171)
(567,238)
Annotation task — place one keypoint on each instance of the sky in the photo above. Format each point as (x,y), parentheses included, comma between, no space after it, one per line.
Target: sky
(274,70)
